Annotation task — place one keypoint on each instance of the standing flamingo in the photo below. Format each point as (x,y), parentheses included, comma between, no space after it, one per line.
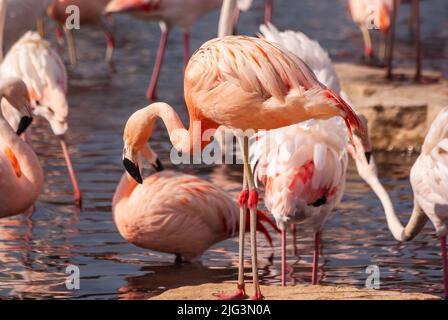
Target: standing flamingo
(241,83)
(21,176)
(20,18)
(174,212)
(303,167)
(364,13)
(169,13)
(91,13)
(429,176)
(33,60)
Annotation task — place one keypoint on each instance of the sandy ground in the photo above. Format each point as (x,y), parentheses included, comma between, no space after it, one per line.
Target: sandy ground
(298,292)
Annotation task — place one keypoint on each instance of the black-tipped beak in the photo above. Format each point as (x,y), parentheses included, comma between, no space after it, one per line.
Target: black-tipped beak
(24,124)
(158,166)
(368,156)
(133,170)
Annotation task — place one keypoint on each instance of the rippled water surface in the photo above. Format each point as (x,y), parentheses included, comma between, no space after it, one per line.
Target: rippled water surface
(36,249)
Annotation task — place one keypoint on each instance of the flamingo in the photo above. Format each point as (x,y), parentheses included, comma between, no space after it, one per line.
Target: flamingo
(417,38)
(21,176)
(170,207)
(169,13)
(91,13)
(241,83)
(33,60)
(20,18)
(429,176)
(303,167)
(361,11)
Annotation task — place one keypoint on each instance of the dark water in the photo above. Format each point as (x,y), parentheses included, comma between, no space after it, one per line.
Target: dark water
(35,250)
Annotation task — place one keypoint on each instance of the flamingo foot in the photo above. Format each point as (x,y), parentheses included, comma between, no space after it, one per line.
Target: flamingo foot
(257,296)
(240,294)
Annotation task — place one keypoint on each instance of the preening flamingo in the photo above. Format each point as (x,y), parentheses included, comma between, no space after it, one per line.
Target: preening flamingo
(429,181)
(176,213)
(21,176)
(367,12)
(33,60)
(241,83)
(303,166)
(21,17)
(91,13)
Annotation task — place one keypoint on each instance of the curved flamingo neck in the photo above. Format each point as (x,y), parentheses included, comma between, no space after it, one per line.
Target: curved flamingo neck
(141,124)
(399,232)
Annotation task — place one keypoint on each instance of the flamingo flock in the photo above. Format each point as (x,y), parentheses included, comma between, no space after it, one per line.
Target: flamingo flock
(278,94)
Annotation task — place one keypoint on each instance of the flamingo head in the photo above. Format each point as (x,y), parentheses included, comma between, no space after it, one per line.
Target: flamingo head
(133,157)
(116,6)
(16,93)
(53,107)
(362,141)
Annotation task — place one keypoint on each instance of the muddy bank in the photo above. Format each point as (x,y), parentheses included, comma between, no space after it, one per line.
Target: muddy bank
(298,292)
(399,112)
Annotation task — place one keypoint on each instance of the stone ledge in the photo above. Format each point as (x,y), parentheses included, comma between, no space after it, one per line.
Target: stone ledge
(399,112)
(297,292)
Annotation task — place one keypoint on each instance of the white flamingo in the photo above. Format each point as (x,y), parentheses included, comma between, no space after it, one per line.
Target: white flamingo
(429,181)
(34,61)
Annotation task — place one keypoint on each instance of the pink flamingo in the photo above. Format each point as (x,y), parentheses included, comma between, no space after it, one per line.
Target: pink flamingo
(303,167)
(429,183)
(169,207)
(264,88)
(363,13)
(91,13)
(33,60)
(169,13)
(21,176)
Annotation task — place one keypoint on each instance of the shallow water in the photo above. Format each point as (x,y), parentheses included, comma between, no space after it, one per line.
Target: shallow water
(35,250)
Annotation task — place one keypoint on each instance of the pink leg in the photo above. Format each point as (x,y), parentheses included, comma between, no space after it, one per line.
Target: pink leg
(294,239)
(240,293)
(283,258)
(110,46)
(186,49)
(77,192)
(390,53)
(60,38)
(445,264)
(315,279)
(236,19)
(252,204)
(268,11)
(418,50)
(151,93)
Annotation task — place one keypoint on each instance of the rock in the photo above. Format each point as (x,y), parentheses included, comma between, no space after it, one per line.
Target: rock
(399,112)
(297,292)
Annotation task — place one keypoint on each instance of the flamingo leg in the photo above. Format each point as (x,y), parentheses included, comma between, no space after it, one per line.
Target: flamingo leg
(390,46)
(60,38)
(294,239)
(71,47)
(151,93)
(445,264)
(40,26)
(77,192)
(236,19)
(186,49)
(268,11)
(368,50)
(283,258)
(252,204)
(418,49)
(383,47)
(110,43)
(240,293)
(315,280)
